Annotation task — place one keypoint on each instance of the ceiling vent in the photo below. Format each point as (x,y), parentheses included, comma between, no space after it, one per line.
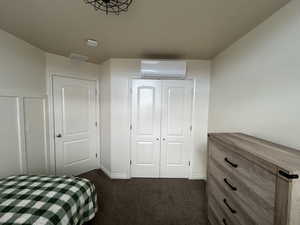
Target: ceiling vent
(78,57)
(92,43)
(163,69)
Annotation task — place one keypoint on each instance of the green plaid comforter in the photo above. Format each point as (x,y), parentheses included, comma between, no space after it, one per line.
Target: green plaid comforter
(46,200)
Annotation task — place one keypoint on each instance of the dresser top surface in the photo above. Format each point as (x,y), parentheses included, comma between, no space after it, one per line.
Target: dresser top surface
(285,158)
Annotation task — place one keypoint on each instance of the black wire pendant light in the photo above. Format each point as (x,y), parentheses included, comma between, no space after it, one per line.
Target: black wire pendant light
(110,6)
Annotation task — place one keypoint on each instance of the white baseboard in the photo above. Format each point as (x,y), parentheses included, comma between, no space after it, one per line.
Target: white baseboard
(119,175)
(198,176)
(114,175)
(105,170)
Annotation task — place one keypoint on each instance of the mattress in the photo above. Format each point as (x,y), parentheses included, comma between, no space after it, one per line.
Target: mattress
(47,200)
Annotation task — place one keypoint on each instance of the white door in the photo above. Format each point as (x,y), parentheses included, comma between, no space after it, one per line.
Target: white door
(161,128)
(146,115)
(176,128)
(75,125)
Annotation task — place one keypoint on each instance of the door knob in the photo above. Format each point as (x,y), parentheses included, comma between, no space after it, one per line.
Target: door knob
(164,139)
(157,139)
(58,136)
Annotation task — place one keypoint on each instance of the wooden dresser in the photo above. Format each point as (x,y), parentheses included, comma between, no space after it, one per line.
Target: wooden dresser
(252,181)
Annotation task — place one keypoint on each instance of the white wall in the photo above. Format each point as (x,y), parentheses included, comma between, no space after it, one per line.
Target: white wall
(105,111)
(200,71)
(256,82)
(63,66)
(36,131)
(24,73)
(23,144)
(121,72)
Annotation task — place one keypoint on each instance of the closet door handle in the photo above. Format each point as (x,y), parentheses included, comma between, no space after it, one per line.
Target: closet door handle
(59,136)
(231,163)
(229,207)
(230,185)
(157,139)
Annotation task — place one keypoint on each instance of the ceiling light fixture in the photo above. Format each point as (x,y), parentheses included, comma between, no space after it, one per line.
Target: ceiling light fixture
(110,6)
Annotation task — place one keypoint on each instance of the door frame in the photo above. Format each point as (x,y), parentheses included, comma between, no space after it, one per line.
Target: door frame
(192,150)
(51,121)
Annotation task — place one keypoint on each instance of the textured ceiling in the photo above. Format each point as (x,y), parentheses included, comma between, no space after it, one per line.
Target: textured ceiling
(192,29)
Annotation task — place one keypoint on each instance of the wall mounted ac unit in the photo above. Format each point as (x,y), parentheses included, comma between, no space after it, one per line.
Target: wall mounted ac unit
(163,69)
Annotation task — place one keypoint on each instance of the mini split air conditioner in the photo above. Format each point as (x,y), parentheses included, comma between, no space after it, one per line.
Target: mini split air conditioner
(163,69)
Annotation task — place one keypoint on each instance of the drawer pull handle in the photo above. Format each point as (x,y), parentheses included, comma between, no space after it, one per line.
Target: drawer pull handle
(228,206)
(288,176)
(224,222)
(231,163)
(230,185)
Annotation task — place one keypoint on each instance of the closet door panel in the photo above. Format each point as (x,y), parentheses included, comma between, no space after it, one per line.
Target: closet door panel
(146,102)
(176,128)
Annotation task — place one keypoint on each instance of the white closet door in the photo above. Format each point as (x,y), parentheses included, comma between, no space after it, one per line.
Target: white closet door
(146,110)
(176,136)
(75,128)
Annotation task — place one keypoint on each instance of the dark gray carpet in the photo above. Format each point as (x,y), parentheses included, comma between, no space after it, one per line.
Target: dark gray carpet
(148,201)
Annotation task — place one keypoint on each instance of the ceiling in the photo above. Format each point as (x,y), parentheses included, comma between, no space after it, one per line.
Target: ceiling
(191,29)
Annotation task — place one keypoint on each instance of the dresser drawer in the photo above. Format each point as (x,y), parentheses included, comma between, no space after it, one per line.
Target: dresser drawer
(232,210)
(216,215)
(251,175)
(251,202)
(253,181)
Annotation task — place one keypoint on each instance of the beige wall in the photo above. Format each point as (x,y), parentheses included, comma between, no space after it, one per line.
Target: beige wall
(22,67)
(23,145)
(64,66)
(121,72)
(105,115)
(255,85)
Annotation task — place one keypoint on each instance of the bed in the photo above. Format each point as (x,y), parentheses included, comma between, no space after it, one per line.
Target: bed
(46,200)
